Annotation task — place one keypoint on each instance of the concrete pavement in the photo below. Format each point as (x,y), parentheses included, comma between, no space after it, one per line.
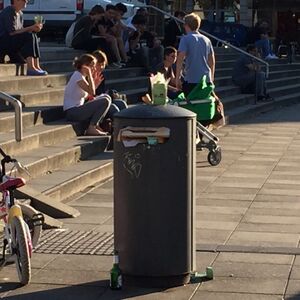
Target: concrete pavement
(248,225)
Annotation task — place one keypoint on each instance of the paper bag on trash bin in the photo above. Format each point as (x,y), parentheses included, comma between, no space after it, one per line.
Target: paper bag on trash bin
(159,89)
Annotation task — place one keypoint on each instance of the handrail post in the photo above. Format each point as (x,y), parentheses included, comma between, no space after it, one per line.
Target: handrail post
(17,104)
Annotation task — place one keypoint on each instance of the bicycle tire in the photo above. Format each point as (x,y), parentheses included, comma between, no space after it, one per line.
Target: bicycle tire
(35,231)
(20,249)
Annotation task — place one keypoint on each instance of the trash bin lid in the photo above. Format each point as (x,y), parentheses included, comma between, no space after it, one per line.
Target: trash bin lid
(143,111)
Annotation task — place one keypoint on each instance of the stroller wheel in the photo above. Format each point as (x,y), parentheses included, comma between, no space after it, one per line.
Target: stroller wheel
(214,157)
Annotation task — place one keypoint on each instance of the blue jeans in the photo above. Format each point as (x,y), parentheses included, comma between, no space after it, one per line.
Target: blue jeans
(116,106)
(264,46)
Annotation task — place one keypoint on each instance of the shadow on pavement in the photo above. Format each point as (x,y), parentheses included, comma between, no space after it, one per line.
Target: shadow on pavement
(90,291)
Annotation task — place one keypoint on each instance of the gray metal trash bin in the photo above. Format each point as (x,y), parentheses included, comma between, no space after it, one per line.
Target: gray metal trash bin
(154,174)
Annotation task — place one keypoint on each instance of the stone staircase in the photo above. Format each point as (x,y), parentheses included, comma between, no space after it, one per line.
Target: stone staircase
(60,162)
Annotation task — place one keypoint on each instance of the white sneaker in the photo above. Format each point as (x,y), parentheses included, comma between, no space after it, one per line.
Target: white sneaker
(271,56)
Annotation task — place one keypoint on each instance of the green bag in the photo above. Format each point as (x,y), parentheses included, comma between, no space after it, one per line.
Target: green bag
(199,101)
(201,90)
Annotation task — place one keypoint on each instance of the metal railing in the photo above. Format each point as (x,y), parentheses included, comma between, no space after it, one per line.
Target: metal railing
(213,37)
(18,114)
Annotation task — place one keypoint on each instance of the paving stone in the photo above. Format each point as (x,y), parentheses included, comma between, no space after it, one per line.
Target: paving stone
(239,182)
(218,217)
(200,295)
(269,286)
(57,292)
(271,219)
(212,236)
(91,215)
(250,270)
(221,209)
(204,259)
(219,195)
(281,198)
(265,239)
(255,258)
(234,204)
(295,274)
(293,289)
(177,293)
(276,228)
(81,262)
(284,206)
(206,224)
(72,277)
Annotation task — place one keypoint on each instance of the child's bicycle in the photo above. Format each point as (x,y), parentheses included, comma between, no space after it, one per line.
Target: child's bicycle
(17,236)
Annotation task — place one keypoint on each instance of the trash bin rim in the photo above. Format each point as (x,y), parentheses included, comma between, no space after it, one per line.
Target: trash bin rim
(158,112)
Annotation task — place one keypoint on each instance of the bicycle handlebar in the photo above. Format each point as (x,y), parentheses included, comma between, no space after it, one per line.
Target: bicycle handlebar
(7,159)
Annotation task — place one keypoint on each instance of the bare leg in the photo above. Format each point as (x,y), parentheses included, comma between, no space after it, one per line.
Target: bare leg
(37,63)
(31,63)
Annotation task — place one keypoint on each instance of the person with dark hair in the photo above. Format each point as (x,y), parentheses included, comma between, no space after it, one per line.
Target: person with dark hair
(248,76)
(140,12)
(166,68)
(117,104)
(83,83)
(105,29)
(143,46)
(174,30)
(118,29)
(15,38)
(121,8)
(83,38)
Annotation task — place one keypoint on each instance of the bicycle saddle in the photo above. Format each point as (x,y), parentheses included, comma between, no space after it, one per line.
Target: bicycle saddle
(12,183)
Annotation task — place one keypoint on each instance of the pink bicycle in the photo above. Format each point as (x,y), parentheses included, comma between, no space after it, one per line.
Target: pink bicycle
(17,235)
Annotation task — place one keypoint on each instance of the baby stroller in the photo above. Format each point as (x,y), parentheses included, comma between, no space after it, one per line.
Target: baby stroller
(207,113)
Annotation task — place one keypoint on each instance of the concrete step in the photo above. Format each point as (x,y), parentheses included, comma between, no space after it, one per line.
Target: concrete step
(127,83)
(131,72)
(275,71)
(38,136)
(31,116)
(69,180)
(134,96)
(41,97)
(240,113)
(283,74)
(282,82)
(229,90)
(12,84)
(231,102)
(59,53)
(277,92)
(48,159)
(11,70)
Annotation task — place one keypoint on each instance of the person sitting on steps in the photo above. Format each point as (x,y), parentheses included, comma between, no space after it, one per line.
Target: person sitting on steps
(83,83)
(248,75)
(15,38)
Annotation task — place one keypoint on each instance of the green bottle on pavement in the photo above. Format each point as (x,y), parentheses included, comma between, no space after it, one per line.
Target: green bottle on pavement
(116,274)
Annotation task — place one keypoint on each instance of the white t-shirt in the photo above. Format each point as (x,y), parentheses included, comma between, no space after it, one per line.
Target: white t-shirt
(74,95)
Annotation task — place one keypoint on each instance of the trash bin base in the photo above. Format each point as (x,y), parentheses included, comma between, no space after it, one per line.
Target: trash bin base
(157,281)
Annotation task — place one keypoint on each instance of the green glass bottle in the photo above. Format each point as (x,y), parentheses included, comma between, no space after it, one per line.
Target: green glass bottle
(116,274)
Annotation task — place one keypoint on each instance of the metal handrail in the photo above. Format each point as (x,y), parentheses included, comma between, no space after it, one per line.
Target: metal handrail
(213,37)
(18,114)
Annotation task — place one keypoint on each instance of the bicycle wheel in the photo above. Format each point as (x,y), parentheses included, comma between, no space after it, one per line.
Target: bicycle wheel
(35,229)
(20,249)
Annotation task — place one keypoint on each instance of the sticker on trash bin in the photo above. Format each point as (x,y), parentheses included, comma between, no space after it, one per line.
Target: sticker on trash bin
(131,164)
(132,136)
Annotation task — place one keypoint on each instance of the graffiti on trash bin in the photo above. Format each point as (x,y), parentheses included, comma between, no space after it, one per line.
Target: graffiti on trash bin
(132,164)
